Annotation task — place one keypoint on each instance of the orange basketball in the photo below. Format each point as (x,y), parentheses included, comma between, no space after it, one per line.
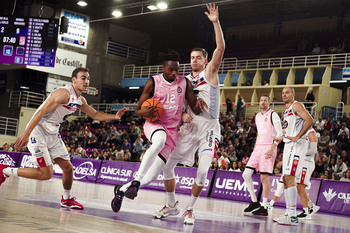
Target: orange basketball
(158,108)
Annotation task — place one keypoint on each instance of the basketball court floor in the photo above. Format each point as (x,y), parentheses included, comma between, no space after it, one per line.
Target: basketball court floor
(33,206)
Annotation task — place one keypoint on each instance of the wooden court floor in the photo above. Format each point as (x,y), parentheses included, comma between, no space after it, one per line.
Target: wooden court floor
(33,206)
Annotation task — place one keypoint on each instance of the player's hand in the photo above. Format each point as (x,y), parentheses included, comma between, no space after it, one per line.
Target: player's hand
(186,118)
(201,104)
(22,140)
(147,111)
(278,139)
(269,154)
(120,113)
(292,139)
(213,14)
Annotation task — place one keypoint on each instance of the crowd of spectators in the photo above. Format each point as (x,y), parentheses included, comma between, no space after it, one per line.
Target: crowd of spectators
(124,141)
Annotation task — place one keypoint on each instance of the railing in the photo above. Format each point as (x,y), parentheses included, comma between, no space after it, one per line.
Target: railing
(335,60)
(279,107)
(128,52)
(26,99)
(8,126)
(109,108)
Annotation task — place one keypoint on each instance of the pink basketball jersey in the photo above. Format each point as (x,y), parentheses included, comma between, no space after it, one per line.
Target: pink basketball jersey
(266,129)
(172,96)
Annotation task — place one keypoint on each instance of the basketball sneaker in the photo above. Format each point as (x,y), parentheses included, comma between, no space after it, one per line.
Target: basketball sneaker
(2,175)
(252,206)
(269,207)
(289,221)
(188,217)
(280,218)
(304,215)
(131,192)
(166,211)
(261,211)
(71,203)
(313,209)
(118,198)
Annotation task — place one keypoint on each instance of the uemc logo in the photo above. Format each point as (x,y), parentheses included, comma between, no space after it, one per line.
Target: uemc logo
(83,170)
(232,184)
(7,160)
(75,16)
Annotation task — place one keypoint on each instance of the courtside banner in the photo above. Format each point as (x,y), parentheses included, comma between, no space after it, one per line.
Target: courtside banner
(9,158)
(334,197)
(230,185)
(185,177)
(85,169)
(311,190)
(114,172)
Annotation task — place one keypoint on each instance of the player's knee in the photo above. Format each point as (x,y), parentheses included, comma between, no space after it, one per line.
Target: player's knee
(46,175)
(169,174)
(67,168)
(246,175)
(201,178)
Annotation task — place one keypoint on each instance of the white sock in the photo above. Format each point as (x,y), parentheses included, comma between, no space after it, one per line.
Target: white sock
(66,194)
(310,204)
(10,171)
(292,193)
(247,176)
(264,202)
(125,187)
(192,202)
(272,202)
(306,210)
(171,199)
(287,202)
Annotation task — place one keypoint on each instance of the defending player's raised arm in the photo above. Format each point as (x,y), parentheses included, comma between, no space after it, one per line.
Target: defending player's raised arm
(60,96)
(214,65)
(100,116)
(195,104)
(299,110)
(146,94)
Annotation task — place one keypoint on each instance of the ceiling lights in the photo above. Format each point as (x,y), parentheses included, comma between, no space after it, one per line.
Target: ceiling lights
(82,3)
(162,5)
(117,13)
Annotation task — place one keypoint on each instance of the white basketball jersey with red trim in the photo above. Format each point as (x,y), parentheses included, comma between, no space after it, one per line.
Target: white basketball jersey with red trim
(292,123)
(52,120)
(209,93)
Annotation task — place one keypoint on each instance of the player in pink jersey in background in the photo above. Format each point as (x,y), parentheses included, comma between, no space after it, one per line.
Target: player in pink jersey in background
(44,141)
(263,157)
(171,90)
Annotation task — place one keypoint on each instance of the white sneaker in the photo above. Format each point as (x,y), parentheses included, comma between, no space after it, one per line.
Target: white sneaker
(289,221)
(166,211)
(188,217)
(280,218)
(269,207)
(313,209)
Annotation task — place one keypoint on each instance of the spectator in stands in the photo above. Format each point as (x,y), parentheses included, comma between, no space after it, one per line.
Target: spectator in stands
(127,155)
(328,124)
(228,106)
(234,167)
(92,142)
(75,154)
(344,119)
(277,171)
(345,157)
(240,112)
(126,145)
(137,151)
(215,165)
(346,176)
(104,156)
(231,153)
(324,139)
(333,141)
(84,155)
(331,117)
(309,99)
(319,124)
(134,131)
(333,155)
(344,129)
(321,162)
(316,50)
(343,141)
(265,82)
(340,168)
(223,160)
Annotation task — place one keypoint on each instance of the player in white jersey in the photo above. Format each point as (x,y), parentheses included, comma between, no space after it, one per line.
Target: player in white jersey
(44,141)
(263,157)
(296,122)
(303,179)
(201,131)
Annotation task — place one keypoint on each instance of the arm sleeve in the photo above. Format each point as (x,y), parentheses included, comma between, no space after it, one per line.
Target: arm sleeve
(312,149)
(276,121)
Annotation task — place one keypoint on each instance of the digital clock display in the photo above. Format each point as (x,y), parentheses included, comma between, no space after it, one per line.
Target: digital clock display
(28,41)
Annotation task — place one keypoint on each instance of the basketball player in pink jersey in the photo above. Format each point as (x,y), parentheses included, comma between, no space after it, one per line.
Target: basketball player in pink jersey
(200,132)
(296,122)
(44,141)
(171,90)
(264,154)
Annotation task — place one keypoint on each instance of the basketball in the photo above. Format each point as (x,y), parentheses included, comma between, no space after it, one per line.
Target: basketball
(158,108)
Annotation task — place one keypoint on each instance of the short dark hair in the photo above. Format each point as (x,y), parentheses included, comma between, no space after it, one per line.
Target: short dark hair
(268,97)
(205,53)
(170,55)
(79,69)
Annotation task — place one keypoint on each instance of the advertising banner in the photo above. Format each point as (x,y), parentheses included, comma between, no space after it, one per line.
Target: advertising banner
(9,158)
(85,169)
(334,197)
(115,172)
(230,185)
(311,190)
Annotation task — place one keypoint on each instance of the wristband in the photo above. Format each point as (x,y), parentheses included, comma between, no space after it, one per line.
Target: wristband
(275,142)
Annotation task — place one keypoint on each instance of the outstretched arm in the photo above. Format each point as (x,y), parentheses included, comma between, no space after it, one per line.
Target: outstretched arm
(214,65)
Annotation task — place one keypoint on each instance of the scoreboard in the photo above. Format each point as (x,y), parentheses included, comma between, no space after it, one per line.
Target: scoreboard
(28,40)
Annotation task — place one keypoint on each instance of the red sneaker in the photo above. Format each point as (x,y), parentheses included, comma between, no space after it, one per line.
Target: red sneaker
(2,175)
(71,203)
